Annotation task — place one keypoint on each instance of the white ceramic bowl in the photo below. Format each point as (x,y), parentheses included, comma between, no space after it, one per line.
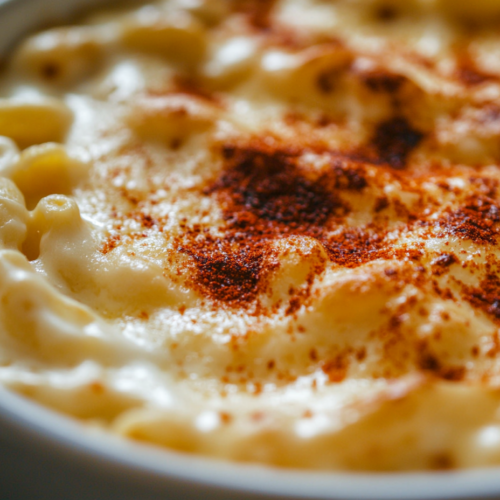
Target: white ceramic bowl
(46,456)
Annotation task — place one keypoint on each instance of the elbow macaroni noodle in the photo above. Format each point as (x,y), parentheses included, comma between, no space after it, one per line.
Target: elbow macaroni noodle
(260,231)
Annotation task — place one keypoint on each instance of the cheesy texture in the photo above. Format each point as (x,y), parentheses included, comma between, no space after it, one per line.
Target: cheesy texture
(263,231)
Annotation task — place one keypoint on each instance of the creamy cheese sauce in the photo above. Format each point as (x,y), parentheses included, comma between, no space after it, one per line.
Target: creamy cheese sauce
(260,231)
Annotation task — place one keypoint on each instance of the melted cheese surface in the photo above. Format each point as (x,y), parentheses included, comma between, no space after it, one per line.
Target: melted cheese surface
(260,231)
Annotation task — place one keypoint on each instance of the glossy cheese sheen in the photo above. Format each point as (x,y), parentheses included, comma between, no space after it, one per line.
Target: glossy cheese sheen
(260,231)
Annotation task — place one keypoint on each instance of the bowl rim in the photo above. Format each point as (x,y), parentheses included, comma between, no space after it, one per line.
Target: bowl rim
(34,425)
(70,439)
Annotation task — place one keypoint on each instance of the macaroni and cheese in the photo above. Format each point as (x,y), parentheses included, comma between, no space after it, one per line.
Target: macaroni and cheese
(260,231)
